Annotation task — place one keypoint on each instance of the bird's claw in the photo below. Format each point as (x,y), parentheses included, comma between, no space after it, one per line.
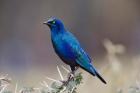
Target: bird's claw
(71,76)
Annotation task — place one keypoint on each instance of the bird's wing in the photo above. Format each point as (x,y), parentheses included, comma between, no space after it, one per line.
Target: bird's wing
(82,58)
(84,61)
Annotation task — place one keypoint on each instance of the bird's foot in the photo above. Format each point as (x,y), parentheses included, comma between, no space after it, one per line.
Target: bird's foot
(71,76)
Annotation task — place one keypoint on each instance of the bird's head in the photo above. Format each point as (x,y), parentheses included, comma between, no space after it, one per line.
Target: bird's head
(54,24)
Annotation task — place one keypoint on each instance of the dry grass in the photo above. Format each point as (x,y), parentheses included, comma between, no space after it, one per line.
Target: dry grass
(121,74)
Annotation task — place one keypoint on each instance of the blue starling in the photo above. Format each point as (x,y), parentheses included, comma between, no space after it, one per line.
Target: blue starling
(68,48)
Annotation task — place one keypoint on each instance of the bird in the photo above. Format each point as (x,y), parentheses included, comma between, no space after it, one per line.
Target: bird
(69,49)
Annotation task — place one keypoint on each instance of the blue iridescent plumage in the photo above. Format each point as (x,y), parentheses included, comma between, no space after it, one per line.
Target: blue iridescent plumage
(69,49)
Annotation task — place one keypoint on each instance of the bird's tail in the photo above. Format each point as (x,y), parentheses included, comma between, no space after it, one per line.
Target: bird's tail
(98,75)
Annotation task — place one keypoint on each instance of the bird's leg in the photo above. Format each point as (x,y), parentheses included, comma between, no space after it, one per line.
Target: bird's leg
(69,78)
(76,68)
(71,75)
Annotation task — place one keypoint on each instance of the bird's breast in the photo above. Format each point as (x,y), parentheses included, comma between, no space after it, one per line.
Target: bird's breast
(64,49)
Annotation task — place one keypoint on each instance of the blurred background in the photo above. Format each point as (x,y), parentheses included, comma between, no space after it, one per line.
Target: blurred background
(109,30)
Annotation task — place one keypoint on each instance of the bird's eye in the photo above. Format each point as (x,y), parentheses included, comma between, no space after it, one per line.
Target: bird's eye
(53,22)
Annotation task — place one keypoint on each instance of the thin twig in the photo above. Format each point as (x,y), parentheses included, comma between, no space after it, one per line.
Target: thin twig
(3,77)
(68,71)
(3,88)
(72,89)
(16,87)
(38,89)
(53,80)
(46,85)
(64,88)
(60,73)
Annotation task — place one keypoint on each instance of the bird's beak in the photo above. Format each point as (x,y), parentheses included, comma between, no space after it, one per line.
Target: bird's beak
(47,23)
